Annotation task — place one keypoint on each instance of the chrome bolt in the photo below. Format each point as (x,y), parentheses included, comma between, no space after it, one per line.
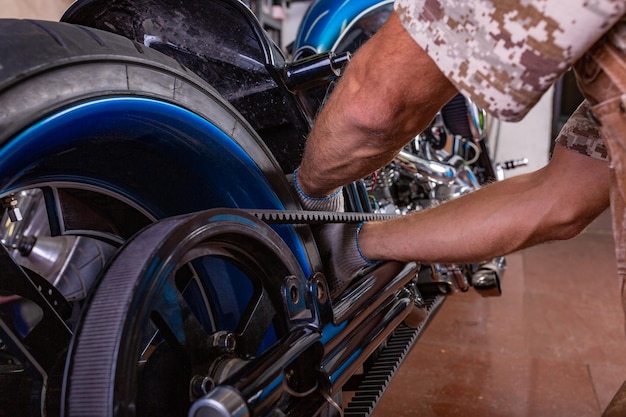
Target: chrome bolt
(224,340)
(10,204)
(200,386)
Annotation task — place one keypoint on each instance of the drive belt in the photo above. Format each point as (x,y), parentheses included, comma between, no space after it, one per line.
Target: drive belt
(316,217)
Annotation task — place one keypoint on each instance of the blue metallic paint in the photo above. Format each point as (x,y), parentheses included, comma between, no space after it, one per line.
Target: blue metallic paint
(326,20)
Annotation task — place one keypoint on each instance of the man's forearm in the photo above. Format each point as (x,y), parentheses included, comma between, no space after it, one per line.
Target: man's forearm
(390,92)
(499,219)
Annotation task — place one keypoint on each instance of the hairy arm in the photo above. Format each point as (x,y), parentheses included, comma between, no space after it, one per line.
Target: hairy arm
(390,92)
(554,203)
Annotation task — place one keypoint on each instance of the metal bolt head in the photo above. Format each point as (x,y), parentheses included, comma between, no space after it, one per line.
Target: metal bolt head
(200,386)
(15,215)
(226,341)
(13,211)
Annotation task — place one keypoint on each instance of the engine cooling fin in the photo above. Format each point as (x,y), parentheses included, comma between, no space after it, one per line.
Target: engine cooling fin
(371,387)
(455,116)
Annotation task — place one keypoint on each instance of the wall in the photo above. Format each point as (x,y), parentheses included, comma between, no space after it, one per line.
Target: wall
(33,9)
(529,138)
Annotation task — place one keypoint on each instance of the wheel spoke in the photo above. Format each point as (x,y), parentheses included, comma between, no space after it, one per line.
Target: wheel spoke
(254,324)
(178,326)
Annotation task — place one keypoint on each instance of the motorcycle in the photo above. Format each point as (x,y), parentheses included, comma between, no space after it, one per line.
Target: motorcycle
(155,260)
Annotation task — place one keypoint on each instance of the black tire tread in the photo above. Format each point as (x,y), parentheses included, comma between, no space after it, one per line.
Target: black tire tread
(60,43)
(31,49)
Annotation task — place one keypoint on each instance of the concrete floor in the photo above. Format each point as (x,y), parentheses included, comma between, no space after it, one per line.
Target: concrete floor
(553,344)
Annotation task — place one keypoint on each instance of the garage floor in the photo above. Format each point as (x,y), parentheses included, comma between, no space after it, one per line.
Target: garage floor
(553,345)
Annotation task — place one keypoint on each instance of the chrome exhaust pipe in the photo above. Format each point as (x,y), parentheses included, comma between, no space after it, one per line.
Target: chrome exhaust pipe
(486,280)
(438,172)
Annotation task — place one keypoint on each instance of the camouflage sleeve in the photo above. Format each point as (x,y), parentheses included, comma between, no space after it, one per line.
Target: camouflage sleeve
(582,135)
(505,54)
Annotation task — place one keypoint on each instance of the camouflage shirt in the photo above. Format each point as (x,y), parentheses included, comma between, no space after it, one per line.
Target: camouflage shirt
(582,135)
(504,54)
